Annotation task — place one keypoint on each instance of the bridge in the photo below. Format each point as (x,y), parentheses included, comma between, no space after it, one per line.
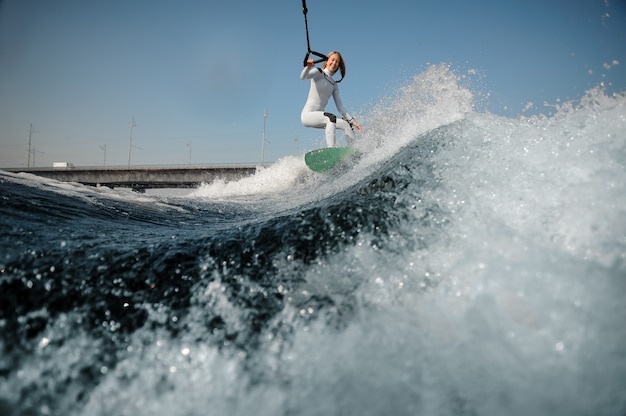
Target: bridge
(147,177)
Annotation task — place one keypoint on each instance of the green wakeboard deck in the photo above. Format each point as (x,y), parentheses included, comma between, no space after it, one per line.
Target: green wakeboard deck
(321,160)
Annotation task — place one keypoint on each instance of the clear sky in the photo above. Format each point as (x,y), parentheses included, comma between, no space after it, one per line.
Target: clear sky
(198,75)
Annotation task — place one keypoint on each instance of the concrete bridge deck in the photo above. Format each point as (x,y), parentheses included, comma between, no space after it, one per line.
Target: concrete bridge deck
(144,177)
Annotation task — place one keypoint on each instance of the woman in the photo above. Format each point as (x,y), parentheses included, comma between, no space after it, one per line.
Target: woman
(322,87)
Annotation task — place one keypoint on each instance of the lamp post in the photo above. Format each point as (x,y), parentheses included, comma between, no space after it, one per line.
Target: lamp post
(265,116)
(130,145)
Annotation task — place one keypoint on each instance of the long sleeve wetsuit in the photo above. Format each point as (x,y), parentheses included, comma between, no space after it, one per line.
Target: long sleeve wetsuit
(323,86)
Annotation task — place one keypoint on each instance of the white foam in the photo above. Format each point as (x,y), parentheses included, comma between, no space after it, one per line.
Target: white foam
(279,177)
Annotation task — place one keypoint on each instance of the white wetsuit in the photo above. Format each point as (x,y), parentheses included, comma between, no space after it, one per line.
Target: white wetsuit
(313,115)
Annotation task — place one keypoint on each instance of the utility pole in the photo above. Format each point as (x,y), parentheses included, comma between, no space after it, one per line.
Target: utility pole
(104,148)
(34,152)
(30,151)
(265,116)
(130,145)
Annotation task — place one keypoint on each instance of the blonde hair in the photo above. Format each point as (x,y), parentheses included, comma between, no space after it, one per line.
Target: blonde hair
(342,64)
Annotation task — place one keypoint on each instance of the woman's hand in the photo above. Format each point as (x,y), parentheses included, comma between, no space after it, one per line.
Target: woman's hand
(356,125)
(310,63)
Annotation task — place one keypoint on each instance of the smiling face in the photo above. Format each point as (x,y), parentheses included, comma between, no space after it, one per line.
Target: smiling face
(333,62)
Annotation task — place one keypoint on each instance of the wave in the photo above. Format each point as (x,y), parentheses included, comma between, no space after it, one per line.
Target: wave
(467,264)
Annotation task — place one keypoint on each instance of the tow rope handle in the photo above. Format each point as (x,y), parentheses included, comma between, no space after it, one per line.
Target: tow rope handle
(308,43)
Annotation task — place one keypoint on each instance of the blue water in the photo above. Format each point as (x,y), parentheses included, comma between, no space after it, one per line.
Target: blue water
(466,264)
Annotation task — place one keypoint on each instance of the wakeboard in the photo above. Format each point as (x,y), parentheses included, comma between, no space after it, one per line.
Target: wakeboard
(321,160)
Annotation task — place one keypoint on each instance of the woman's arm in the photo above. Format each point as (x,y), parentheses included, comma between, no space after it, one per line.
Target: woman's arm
(308,71)
(342,110)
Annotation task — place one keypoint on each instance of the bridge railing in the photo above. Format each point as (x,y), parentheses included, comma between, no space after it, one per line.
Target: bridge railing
(139,178)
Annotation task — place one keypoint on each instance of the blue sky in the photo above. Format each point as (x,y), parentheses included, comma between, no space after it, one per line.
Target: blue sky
(198,75)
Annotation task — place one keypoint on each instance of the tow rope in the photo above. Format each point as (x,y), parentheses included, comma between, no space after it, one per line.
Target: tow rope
(310,52)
